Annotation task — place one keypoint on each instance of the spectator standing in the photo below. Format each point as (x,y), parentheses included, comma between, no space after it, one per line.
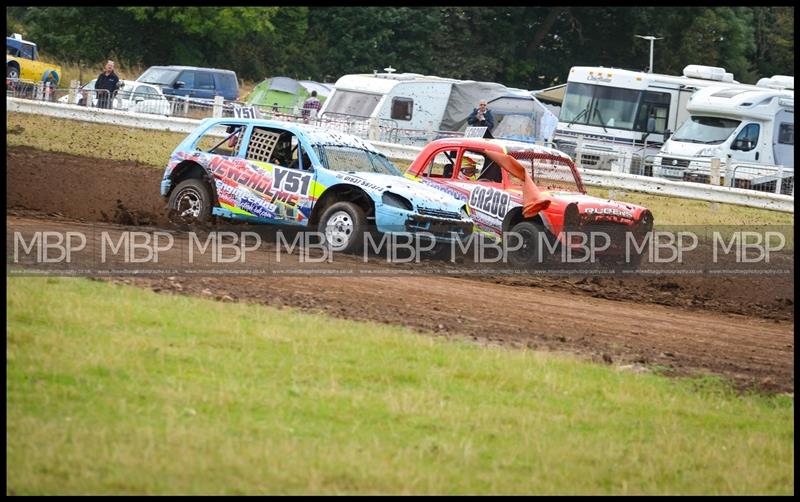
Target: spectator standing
(311,103)
(481,117)
(106,81)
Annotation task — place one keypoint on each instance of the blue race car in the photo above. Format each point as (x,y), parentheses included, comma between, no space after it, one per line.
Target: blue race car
(279,173)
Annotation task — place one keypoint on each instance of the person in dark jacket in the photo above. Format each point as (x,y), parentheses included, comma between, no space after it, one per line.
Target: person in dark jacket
(106,81)
(481,117)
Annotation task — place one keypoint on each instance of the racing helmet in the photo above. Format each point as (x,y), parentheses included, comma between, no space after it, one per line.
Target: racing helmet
(469,166)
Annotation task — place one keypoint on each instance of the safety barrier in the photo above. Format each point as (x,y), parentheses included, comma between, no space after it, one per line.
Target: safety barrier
(607,179)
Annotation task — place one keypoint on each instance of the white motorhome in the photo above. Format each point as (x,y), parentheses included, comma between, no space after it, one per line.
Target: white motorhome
(621,115)
(419,104)
(745,127)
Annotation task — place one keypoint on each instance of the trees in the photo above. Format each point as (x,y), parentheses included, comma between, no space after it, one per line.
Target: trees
(774,41)
(528,47)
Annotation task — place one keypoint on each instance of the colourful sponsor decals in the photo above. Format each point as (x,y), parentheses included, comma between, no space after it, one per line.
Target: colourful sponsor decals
(360,182)
(490,200)
(445,189)
(609,211)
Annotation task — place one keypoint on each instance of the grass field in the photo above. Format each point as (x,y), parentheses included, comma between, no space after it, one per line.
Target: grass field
(154,148)
(113,389)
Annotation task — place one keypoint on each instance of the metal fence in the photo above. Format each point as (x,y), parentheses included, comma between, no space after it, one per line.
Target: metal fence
(187,107)
(770,179)
(616,159)
(623,158)
(750,176)
(28,89)
(124,100)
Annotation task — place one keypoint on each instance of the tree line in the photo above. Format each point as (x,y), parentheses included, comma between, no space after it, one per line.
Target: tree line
(527,47)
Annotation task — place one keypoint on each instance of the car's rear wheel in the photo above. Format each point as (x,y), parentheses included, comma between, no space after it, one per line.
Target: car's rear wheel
(343,225)
(12,71)
(190,202)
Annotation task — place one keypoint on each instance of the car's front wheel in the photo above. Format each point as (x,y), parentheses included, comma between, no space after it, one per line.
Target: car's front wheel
(190,202)
(343,225)
(532,250)
(12,71)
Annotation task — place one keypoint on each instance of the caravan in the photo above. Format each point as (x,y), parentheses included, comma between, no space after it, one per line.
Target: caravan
(415,108)
(750,129)
(616,119)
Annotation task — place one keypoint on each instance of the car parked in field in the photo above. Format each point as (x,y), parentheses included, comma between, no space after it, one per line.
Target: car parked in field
(500,179)
(132,96)
(22,62)
(193,82)
(274,172)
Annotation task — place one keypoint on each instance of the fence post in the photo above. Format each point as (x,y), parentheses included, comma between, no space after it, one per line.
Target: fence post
(779,180)
(578,151)
(73,91)
(186,106)
(374,130)
(218,106)
(713,172)
(729,172)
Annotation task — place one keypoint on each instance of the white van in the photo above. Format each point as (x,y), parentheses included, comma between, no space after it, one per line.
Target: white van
(620,117)
(745,127)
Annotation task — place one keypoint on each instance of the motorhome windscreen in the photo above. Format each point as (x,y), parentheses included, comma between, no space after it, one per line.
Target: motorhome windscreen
(705,130)
(602,106)
(548,172)
(360,104)
(348,159)
(161,76)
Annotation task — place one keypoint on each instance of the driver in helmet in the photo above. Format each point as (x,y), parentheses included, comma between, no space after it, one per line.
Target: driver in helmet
(469,168)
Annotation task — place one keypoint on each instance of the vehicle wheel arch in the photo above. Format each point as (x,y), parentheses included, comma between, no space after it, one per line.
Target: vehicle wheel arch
(515,216)
(14,65)
(190,169)
(342,193)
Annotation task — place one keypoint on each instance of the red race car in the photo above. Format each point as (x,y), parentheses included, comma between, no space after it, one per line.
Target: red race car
(532,190)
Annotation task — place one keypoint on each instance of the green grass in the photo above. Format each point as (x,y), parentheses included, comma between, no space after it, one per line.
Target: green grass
(114,389)
(155,147)
(679,211)
(100,141)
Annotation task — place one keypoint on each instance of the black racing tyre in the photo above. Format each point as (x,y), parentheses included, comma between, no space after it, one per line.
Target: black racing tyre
(343,225)
(190,202)
(528,255)
(12,71)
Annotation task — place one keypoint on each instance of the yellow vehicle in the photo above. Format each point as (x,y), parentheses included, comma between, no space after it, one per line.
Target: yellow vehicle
(22,62)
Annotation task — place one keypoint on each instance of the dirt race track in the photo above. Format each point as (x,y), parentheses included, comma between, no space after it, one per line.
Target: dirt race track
(687,324)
